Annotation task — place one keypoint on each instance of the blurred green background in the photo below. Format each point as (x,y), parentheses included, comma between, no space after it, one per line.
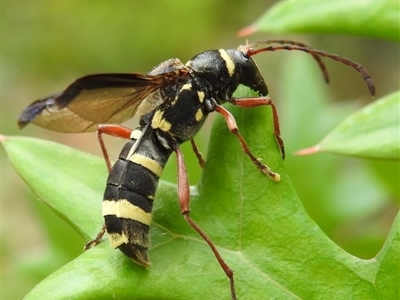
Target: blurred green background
(48,44)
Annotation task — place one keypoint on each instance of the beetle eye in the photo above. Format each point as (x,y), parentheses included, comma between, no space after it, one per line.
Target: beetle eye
(245,56)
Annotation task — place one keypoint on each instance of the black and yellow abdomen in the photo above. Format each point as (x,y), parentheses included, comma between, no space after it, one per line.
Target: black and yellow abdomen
(129,195)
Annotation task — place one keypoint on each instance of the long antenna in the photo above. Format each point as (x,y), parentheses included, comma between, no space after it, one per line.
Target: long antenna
(294,46)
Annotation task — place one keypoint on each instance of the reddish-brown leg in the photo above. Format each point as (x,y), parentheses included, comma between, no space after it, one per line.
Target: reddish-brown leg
(231,123)
(97,239)
(259,101)
(198,153)
(116,131)
(113,130)
(184,199)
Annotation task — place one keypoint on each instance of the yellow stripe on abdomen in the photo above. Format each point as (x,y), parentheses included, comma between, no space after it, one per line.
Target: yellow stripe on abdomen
(117,239)
(124,209)
(147,162)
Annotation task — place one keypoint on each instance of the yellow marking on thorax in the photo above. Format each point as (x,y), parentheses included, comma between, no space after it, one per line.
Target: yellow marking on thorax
(199,115)
(148,163)
(159,122)
(124,209)
(201,96)
(230,65)
(186,86)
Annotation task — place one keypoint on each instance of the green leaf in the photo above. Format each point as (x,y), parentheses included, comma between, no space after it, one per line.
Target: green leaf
(389,265)
(372,132)
(366,18)
(70,182)
(259,226)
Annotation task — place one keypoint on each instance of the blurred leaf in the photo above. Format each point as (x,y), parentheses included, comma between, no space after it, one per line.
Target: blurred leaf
(372,132)
(366,18)
(259,225)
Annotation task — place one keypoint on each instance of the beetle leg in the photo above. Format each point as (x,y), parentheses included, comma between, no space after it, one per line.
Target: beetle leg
(184,199)
(113,130)
(198,153)
(231,123)
(97,239)
(258,101)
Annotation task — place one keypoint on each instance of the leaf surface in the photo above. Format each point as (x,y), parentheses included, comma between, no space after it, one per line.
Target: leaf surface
(372,132)
(365,18)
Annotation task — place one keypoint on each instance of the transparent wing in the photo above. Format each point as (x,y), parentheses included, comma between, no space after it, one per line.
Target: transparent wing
(92,100)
